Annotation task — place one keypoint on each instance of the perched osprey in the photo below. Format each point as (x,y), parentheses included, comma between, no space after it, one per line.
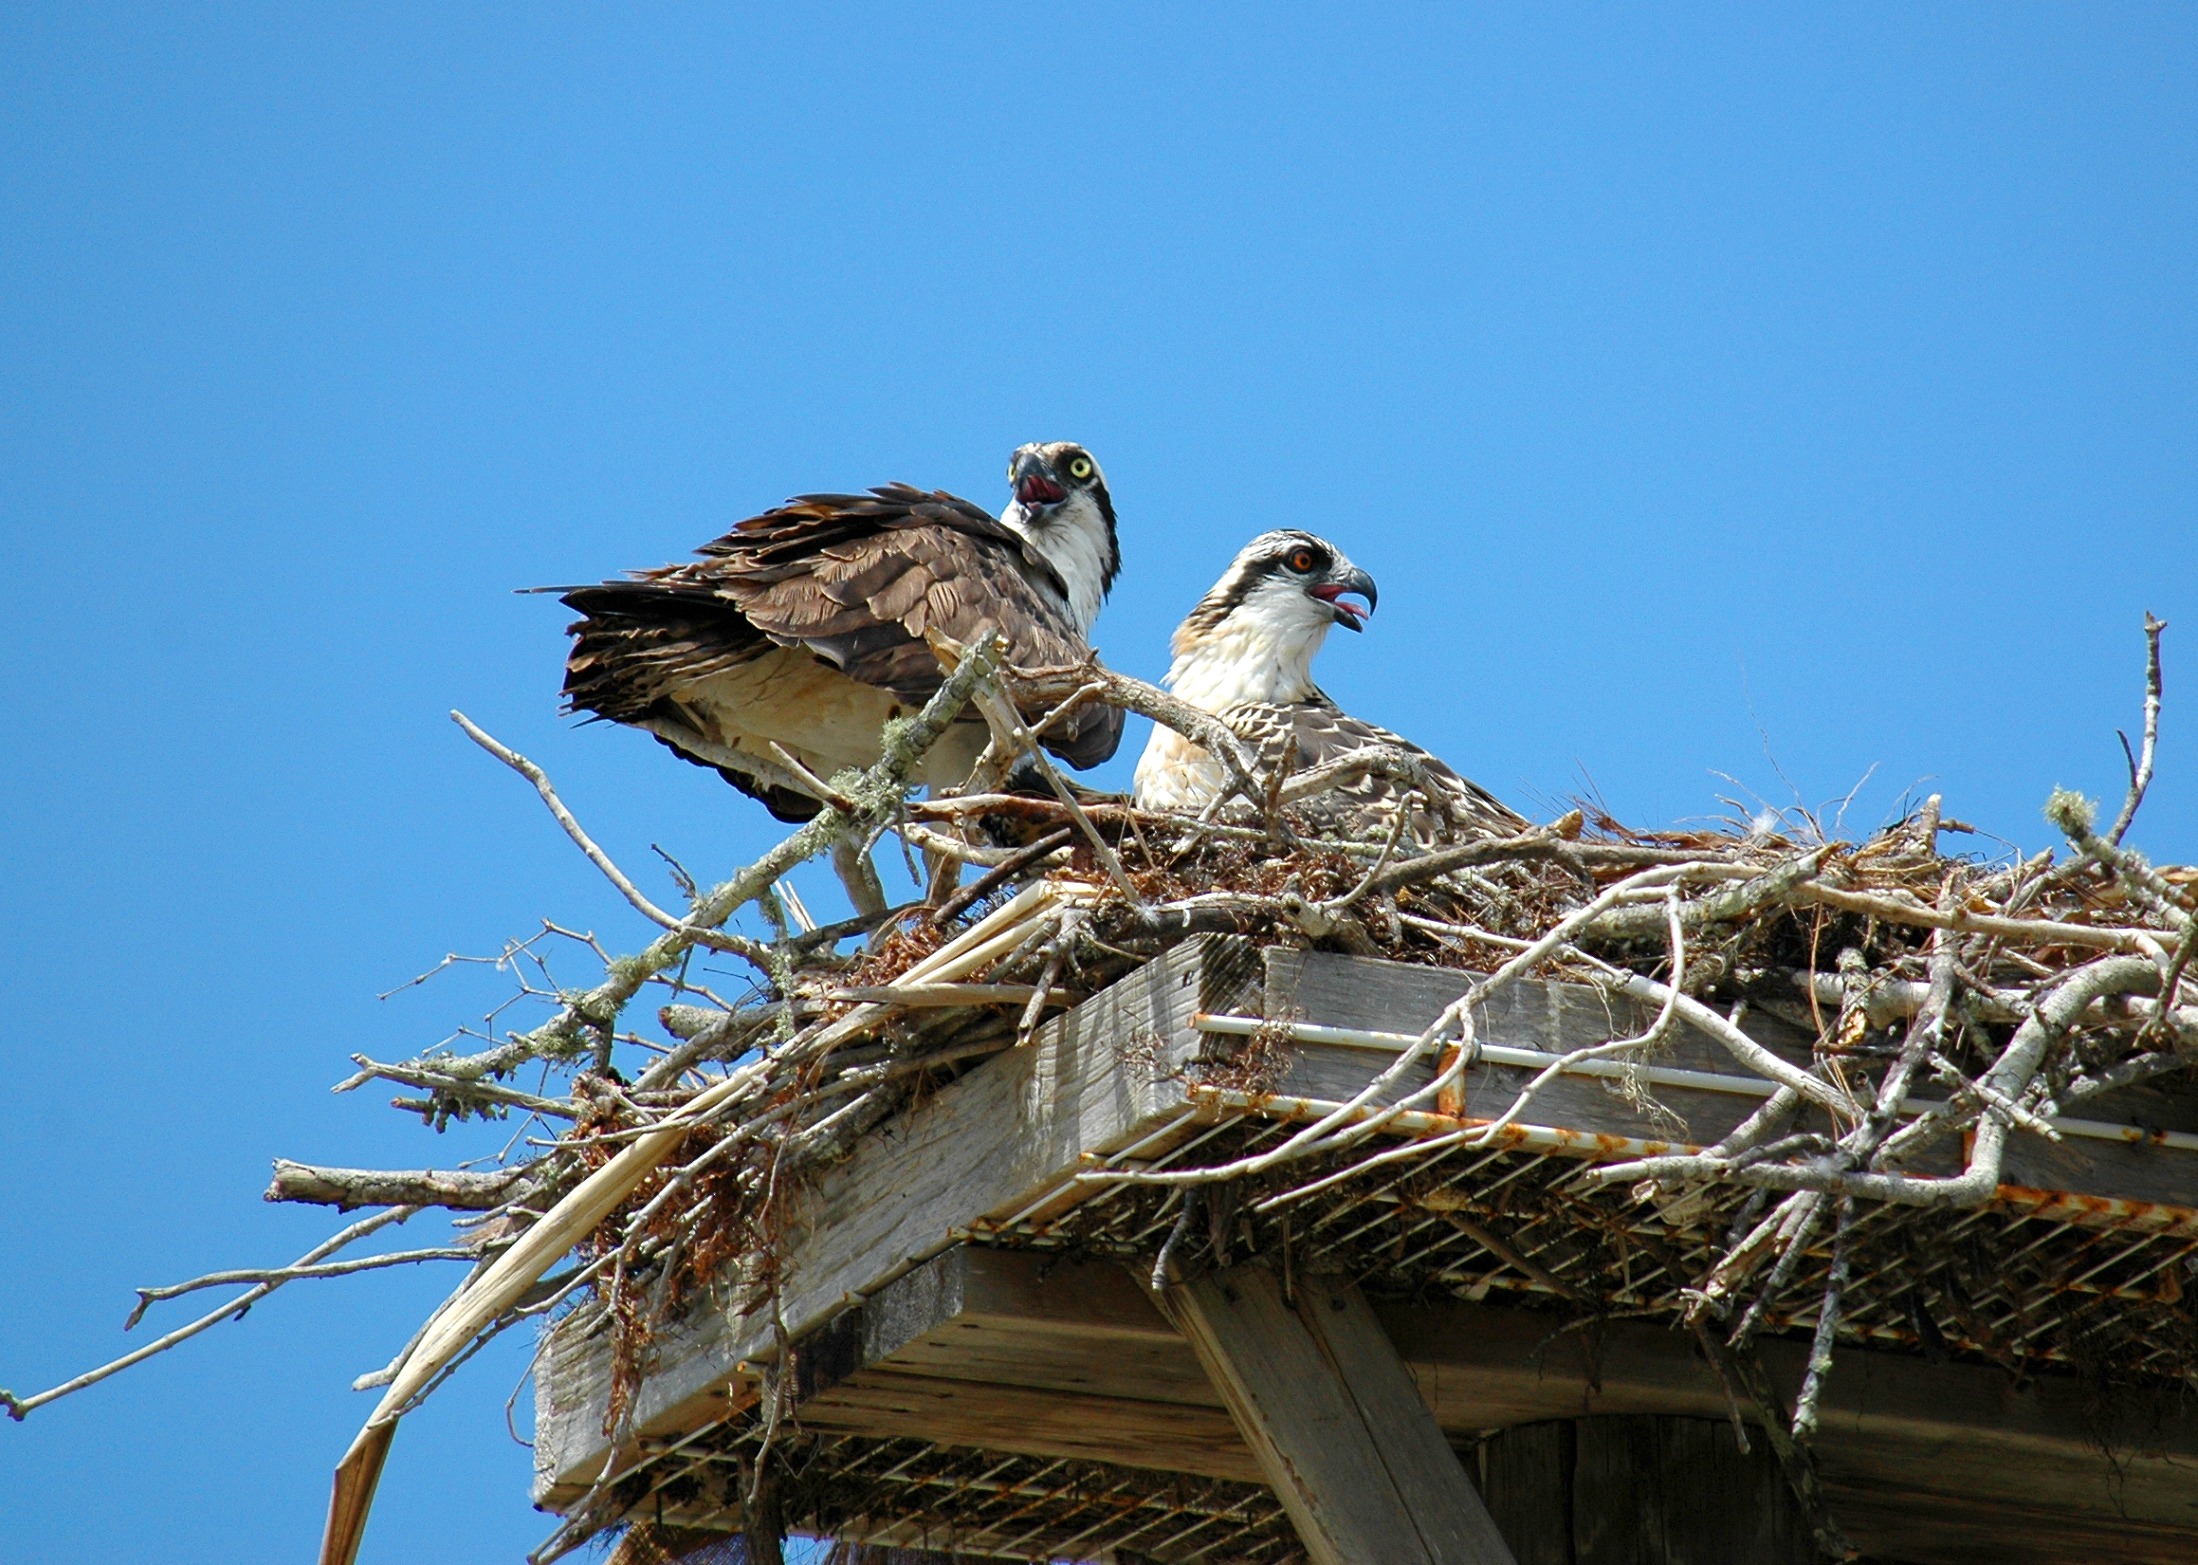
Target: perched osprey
(803,628)
(1246,655)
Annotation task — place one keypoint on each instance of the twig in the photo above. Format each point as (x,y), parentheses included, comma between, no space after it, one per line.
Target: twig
(1795,1461)
(2140,766)
(147,1297)
(1192,1198)
(1494,1244)
(733,944)
(486,1299)
(879,792)
(815,784)
(1962,921)
(932,996)
(1342,904)
(999,875)
(1001,714)
(452,1093)
(19,1408)
(1735,1042)
(1201,727)
(1342,1126)
(1827,1330)
(1994,1099)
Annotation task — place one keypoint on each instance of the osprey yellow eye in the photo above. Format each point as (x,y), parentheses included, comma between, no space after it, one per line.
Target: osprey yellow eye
(1080,467)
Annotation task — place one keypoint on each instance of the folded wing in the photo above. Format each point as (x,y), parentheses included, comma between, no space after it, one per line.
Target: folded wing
(803,631)
(1366,804)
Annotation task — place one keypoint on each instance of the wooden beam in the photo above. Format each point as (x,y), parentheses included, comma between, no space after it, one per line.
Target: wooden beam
(1921,1461)
(1331,1413)
(1332,990)
(1009,1139)
(1008,1133)
(882,1404)
(1614,1491)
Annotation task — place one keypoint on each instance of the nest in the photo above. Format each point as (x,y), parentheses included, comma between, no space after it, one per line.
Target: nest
(2016,990)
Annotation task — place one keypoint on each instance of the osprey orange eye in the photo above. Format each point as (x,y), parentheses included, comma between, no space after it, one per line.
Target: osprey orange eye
(1080,467)
(1302,560)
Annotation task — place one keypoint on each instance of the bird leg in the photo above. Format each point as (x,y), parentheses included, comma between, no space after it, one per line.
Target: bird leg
(851,862)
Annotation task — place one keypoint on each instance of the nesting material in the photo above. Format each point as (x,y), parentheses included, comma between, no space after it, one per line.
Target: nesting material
(1954,1001)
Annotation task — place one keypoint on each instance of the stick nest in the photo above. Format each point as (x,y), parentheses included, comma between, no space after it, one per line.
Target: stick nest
(2008,991)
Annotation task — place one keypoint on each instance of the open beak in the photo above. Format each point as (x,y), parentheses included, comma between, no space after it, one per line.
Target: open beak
(1348,581)
(1035,483)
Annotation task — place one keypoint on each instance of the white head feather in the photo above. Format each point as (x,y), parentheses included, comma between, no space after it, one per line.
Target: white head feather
(1074,533)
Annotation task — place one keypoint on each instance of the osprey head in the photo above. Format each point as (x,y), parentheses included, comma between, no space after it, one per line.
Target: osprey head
(1253,637)
(1295,582)
(1062,508)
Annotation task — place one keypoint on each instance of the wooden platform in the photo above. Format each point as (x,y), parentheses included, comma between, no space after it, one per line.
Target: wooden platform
(961,1283)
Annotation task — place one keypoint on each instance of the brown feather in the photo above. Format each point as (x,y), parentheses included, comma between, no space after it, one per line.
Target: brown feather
(1324,732)
(847,584)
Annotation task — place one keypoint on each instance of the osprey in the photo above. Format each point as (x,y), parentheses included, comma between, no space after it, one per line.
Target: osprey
(802,630)
(1246,655)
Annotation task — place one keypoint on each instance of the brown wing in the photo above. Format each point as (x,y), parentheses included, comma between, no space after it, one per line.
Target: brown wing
(856,580)
(1369,803)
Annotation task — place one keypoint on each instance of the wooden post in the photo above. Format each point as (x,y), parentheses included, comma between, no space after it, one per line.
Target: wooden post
(1340,1431)
(1641,1491)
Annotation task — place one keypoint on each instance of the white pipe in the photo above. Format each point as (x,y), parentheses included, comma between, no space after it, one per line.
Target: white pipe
(1662,1075)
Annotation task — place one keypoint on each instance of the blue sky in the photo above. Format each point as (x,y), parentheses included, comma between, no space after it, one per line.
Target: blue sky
(1772,392)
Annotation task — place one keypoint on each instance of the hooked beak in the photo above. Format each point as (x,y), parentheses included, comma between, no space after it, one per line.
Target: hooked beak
(1035,483)
(1350,579)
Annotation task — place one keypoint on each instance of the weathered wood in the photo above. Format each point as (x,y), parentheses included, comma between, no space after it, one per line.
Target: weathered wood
(1009,1138)
(348,1188)
(1640,1491)
(1097,1079)
(1909,1450)
(1679,1491)
(1127,1431)
(1333,990)
(1525,1476)
(1330,1411)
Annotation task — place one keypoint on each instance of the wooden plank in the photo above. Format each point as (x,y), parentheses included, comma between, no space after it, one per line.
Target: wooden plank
(1015,1127)
(1333,990)
(1680,1491)
(1050,1357)
(1945,1465)
(1171,1437)
(1341,1434)
(1929,1525)
(1886,1416)
(1010,1137)
(1525,1476)
(1902,1440)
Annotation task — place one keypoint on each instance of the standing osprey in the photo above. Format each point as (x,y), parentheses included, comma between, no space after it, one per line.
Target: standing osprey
(803,629)
(1246,655)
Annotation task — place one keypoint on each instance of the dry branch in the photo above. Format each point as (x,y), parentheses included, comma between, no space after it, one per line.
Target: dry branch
(2025,986)
(346,1188)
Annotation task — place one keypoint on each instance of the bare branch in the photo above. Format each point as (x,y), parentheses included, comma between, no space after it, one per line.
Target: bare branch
(146,1297)
(1134,695)
(19,1408)
(2140,768)
(716,939)
(1001,714)
(346,1188)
